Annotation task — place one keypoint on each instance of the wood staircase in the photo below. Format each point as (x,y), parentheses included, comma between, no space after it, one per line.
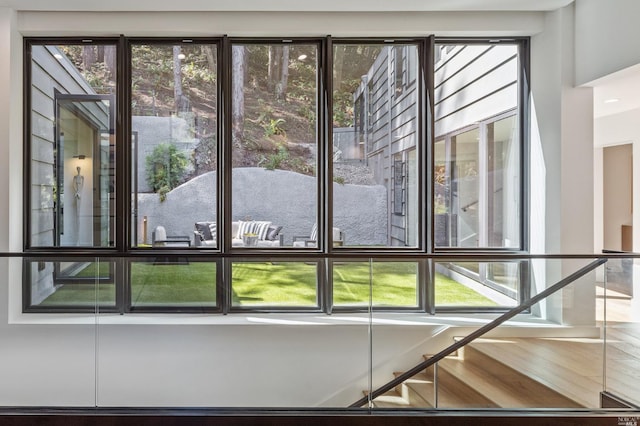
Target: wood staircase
(508,373)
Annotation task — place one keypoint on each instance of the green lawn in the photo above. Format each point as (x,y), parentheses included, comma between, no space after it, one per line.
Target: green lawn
(269,283)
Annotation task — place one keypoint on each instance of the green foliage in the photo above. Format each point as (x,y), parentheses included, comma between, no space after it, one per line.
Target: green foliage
(299,165)
(343,107)
(97,74)
(338,180)
(275,161)
(163,191)
(153,80)
(165,168)
(274,126)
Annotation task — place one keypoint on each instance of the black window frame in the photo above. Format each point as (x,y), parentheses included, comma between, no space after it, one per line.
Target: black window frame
(325,254)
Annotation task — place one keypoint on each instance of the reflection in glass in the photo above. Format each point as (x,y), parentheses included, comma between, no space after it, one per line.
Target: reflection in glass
(382,283)
(375,139)
(274,130)
(69,285)
(85,171)
(477,149)
(477,284)
(274,284)
(174,143)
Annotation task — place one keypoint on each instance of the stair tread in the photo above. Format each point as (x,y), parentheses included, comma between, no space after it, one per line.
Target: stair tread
(571,367)
(391,399)
(506,388)
(421,391)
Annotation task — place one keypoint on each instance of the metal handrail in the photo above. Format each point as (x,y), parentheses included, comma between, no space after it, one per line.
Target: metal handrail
(479,332)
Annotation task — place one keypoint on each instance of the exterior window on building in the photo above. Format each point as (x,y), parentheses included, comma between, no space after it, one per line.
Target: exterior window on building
(477,151)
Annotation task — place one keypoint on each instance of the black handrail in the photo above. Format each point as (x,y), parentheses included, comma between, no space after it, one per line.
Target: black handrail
(479,332)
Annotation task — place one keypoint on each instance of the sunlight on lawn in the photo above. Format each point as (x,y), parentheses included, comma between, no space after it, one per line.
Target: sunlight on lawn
(269,284)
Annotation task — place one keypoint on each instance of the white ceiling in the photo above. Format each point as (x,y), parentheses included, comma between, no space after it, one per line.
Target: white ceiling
(624,86)
(284,5)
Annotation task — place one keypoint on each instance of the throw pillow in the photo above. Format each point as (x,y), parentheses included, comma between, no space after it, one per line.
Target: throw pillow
(204,230)
(213,229)
(273,232)
(254,227)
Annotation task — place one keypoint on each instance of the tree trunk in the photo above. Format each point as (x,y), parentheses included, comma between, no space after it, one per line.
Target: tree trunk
(207,50)
(273,68)
(338,63)
(237,94)
(284,79)
(110,60)
(177,81)
(88,57)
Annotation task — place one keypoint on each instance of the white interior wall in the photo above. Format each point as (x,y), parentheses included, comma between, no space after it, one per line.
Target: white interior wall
(290,24)
(164,356)
(607,37)
(561,167)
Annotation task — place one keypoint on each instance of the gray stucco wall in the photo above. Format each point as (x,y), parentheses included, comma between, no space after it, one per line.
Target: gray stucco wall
(283,197)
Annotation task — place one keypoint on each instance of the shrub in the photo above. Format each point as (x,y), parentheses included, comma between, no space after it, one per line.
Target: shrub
(275,161)
(165,168)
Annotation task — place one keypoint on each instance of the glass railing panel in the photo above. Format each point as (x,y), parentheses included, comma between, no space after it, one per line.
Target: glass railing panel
(617,296)
(48,358)
(547,356)
(383,283)
(177,349)
(398,326)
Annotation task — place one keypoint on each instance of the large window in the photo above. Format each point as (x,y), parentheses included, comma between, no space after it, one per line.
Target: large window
(71,145)
(274,110)
(277,174)
(477,152)
(174,150)
(377,140)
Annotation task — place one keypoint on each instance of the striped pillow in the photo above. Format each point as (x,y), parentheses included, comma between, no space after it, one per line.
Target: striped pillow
(259,228)
(213,228)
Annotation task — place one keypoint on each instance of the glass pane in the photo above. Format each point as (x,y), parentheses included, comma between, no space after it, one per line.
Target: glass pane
(274,284)
(73,145)
(375,139)
(174,144)
(466,189)
(477,149)
(618,314)
(384,283)
(173,282)
(503,184)
(477,284)
(44,354)
(274,113)
(68,286)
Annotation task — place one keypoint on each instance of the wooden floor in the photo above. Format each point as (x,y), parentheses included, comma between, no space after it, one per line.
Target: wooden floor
(535,372)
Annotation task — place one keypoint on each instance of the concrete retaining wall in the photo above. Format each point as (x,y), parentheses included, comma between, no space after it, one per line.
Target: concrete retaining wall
(283,197)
